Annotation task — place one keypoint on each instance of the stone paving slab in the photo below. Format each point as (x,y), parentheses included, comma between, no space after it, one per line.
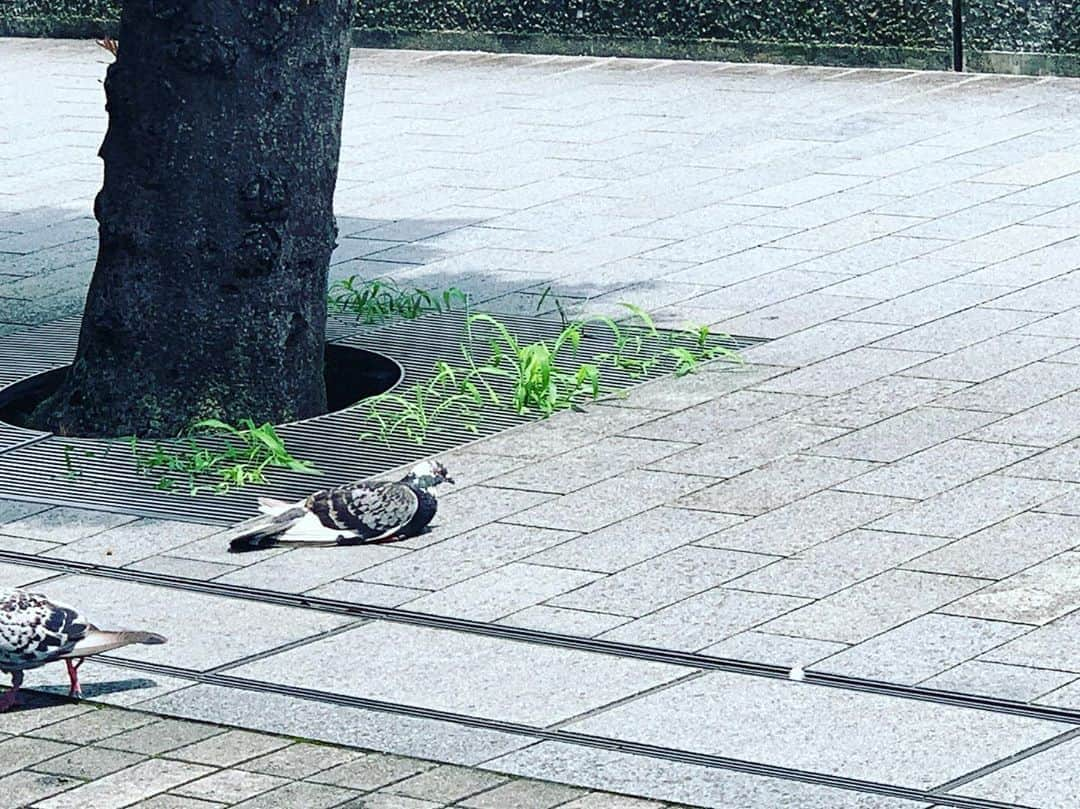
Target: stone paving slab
(898,465)
(196,765)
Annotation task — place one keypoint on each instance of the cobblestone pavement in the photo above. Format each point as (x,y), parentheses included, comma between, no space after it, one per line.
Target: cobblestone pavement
(62,756)
(891,490)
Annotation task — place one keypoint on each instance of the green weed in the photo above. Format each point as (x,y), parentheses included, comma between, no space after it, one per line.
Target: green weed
(378,300)
(242,457)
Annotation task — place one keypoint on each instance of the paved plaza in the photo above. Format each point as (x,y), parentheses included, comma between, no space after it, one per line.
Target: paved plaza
(888,491)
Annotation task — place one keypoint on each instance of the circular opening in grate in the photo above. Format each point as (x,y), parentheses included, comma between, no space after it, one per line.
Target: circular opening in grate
(352,374)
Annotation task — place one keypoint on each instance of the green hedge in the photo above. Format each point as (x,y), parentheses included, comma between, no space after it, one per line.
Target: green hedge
(1048,26)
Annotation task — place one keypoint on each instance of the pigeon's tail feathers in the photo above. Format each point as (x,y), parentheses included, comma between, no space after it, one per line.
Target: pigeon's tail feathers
(97,641)
(273,507)
(261,532)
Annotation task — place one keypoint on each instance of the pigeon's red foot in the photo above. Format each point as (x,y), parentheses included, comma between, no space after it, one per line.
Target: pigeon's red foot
(73,675)
(9,700)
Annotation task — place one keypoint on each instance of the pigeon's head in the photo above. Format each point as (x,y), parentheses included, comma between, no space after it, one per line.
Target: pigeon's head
(429,473)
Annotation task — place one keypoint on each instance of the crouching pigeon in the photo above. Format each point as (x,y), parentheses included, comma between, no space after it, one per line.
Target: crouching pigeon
(354,514)
(35,631)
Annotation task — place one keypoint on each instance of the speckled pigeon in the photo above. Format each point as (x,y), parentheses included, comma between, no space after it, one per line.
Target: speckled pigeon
(369,512)
(35,631)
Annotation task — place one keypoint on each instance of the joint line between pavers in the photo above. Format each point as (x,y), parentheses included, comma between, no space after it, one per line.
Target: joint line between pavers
(1034,750)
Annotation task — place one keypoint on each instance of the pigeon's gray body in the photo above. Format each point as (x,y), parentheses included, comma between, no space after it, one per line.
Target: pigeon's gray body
(35,631)
(365,512)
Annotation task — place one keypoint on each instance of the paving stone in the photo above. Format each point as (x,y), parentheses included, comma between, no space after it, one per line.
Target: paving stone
(675,781)
(1019,389)
(64,524)
(990,358)
(300,760)
(846,371)
(1052,646)
(92,726)
(712,381)
(19,752)
(1060,463)
(939,468)
(606,458)
(604,503)
(524,795)
(128,786)
(836,563)
(663,580)
(959,330)
(387,800)
(21,789)
(304,569)
(297,793)
(636,539)
(931,303)
(23,576)
(362,592)
(1036,595)
(230,786)
(228,748)
(89,762)
(298,718)
(176,802)
(45,712)
(456,559)
(480,676)
(497,593)
(905,434)
(926,646)
(750,448)
(763,647)
(580,623)
(1005,548)
(728,415)
(183,618)
(819,517)
(703,619)
(1067,696)
(132,541)
(16,510)
(873,606)
(160,737)
(877,400)
(371,772)
(182,568)
(776,484)
(447,784)
(1045,425)
(773,721)
(970,507)
(821,341)
(1021,683)
(1053,295)
(1044,779)
(603,800)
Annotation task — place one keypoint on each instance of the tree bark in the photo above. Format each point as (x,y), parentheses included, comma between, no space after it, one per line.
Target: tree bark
(215,219)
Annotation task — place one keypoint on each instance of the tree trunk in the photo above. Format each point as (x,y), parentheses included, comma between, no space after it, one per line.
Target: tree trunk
(216,219)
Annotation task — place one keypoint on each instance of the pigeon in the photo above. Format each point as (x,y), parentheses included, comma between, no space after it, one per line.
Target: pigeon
(35,631)
(364,513)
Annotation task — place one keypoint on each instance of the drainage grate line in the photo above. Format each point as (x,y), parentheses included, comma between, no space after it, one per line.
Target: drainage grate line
(564,736)
(43,471)
(605,647)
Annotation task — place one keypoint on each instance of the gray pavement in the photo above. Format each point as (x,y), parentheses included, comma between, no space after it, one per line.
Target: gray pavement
(890,490)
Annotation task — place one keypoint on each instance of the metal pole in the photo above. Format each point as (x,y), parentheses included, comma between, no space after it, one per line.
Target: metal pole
(958,35)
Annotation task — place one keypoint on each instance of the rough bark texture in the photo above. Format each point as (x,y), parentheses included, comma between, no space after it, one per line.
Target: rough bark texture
(216,219)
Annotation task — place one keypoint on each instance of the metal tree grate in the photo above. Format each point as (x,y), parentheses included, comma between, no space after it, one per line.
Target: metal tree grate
(98,473)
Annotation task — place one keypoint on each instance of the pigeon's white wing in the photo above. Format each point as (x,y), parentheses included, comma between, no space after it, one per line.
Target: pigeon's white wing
(34,630)
(366,510)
